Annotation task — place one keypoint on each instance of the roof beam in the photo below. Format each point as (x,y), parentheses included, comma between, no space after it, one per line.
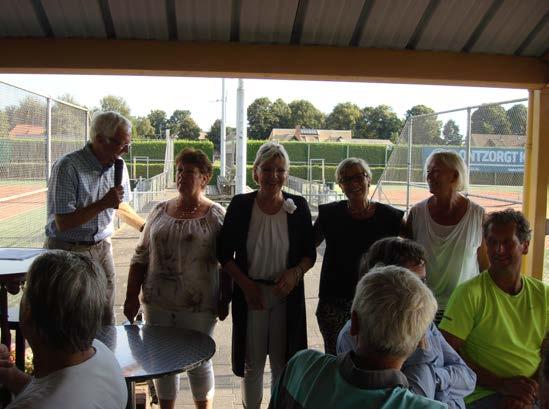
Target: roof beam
(488,16)
(299,20)
(233,60)
(235,20)
(361,23)
(171,19)
(107,18)
(425,18)
(541,23)
(42,18)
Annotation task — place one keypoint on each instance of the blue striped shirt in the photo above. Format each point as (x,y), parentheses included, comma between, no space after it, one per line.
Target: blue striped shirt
(77,180)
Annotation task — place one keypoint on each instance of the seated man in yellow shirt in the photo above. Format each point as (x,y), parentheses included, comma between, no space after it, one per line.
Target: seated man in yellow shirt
(497,320)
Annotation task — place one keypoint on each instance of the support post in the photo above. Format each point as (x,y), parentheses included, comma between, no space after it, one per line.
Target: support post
(48,141)
(409,178)
(468,146)
(241,139)
(222,137)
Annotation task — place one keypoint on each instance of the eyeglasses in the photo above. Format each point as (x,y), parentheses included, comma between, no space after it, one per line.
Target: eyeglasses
(359,177)
(118,143)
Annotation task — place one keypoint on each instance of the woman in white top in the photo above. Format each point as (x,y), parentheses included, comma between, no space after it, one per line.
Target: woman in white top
(266,246)
(449,226)
(175,266)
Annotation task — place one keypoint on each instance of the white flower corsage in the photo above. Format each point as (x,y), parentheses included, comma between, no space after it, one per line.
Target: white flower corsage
(289,206)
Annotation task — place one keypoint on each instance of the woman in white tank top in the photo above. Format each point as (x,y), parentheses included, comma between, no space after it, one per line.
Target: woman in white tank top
(449,226)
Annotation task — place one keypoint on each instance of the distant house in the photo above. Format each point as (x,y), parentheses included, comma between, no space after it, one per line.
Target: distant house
(26,131)
(310,135)
(487,140)
(203,136)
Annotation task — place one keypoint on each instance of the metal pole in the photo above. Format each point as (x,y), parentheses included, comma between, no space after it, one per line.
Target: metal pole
(241,139)
(468,146)
(48,141)
(223,129)
(87,128)
(409,164)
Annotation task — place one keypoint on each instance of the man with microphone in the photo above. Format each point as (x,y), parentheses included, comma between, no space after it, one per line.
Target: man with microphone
(83,192)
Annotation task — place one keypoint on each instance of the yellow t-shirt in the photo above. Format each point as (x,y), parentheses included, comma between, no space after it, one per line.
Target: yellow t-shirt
(502,332)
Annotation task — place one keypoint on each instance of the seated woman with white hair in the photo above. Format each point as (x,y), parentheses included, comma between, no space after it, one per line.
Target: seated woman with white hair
(449,226)
(61,310)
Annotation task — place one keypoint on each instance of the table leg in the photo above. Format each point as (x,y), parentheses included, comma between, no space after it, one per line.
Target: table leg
(5,338)
(131,395)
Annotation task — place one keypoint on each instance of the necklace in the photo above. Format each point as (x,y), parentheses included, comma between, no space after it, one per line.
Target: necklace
(360,212)
(185,212)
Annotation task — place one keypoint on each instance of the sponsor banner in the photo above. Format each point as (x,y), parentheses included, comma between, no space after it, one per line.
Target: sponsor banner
(499,160)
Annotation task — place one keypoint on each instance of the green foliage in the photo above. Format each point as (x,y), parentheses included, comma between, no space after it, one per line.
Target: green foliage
(115,103)
(152,149)
(159,121)
(332,153)
(282,113)
(305,114)
(451,133)
(379,122)
(261,118)
(183,125)
(215,133)
(344,116)
(143,127)
(490,119)
(4,125)
(425,129)
(205,146)
(26,112)
(518,115)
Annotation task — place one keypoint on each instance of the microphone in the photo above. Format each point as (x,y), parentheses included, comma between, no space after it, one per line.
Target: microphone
(118,171)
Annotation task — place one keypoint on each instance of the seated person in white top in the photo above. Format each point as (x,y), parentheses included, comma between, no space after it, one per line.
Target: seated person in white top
(60,314)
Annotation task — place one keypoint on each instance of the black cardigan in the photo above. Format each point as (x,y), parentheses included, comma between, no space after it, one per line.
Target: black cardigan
(232,246)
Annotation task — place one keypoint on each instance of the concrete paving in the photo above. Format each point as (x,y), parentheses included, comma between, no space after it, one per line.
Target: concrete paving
(227,391)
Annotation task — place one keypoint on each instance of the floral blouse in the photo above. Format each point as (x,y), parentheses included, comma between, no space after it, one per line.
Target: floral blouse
(182,270)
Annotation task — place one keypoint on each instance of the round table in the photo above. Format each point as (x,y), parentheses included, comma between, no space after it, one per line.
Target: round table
(145,351)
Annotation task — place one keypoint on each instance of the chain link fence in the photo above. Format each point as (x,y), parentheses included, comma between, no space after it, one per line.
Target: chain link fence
(491,140)
(35,131)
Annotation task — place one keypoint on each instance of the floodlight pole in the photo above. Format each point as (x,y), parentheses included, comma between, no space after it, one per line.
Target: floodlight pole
(468,146)
(223,129)
(241,139)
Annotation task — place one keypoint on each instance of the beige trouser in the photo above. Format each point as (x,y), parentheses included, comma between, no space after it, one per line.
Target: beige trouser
(101,253)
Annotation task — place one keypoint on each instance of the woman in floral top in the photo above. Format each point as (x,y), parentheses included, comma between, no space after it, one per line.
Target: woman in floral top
(175,266)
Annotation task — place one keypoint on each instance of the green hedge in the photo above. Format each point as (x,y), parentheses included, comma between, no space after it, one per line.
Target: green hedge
(157,149)
(331,152)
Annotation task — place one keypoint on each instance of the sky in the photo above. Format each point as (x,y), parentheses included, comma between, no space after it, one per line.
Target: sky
(202,96)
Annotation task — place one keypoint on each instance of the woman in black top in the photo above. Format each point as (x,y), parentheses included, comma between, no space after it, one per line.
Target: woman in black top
(349,227)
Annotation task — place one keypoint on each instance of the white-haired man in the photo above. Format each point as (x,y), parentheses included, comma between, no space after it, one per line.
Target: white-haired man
(82,196)
(391,311)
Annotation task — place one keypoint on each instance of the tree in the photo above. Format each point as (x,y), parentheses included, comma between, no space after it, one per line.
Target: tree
(215,133)
(282,113)
(114,103)
(69,98)
(183,125)
(451,133)
(345,115)
(305,114)
(4,125)
(379,122)
(158,121)
(490,119)
(518,115)
(30,111)
(425,129)
(261,118)
(143,127)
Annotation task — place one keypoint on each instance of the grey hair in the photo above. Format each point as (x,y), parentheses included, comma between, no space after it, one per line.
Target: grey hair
(348,163)
(271,150)
(454,161)
(392,251)
(64,299)
(106,124)
(394,309)
(507,216)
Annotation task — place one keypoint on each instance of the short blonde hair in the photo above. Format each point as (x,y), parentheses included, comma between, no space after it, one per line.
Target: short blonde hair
(454,161)
(394,310)
(348,163)
(271,150)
